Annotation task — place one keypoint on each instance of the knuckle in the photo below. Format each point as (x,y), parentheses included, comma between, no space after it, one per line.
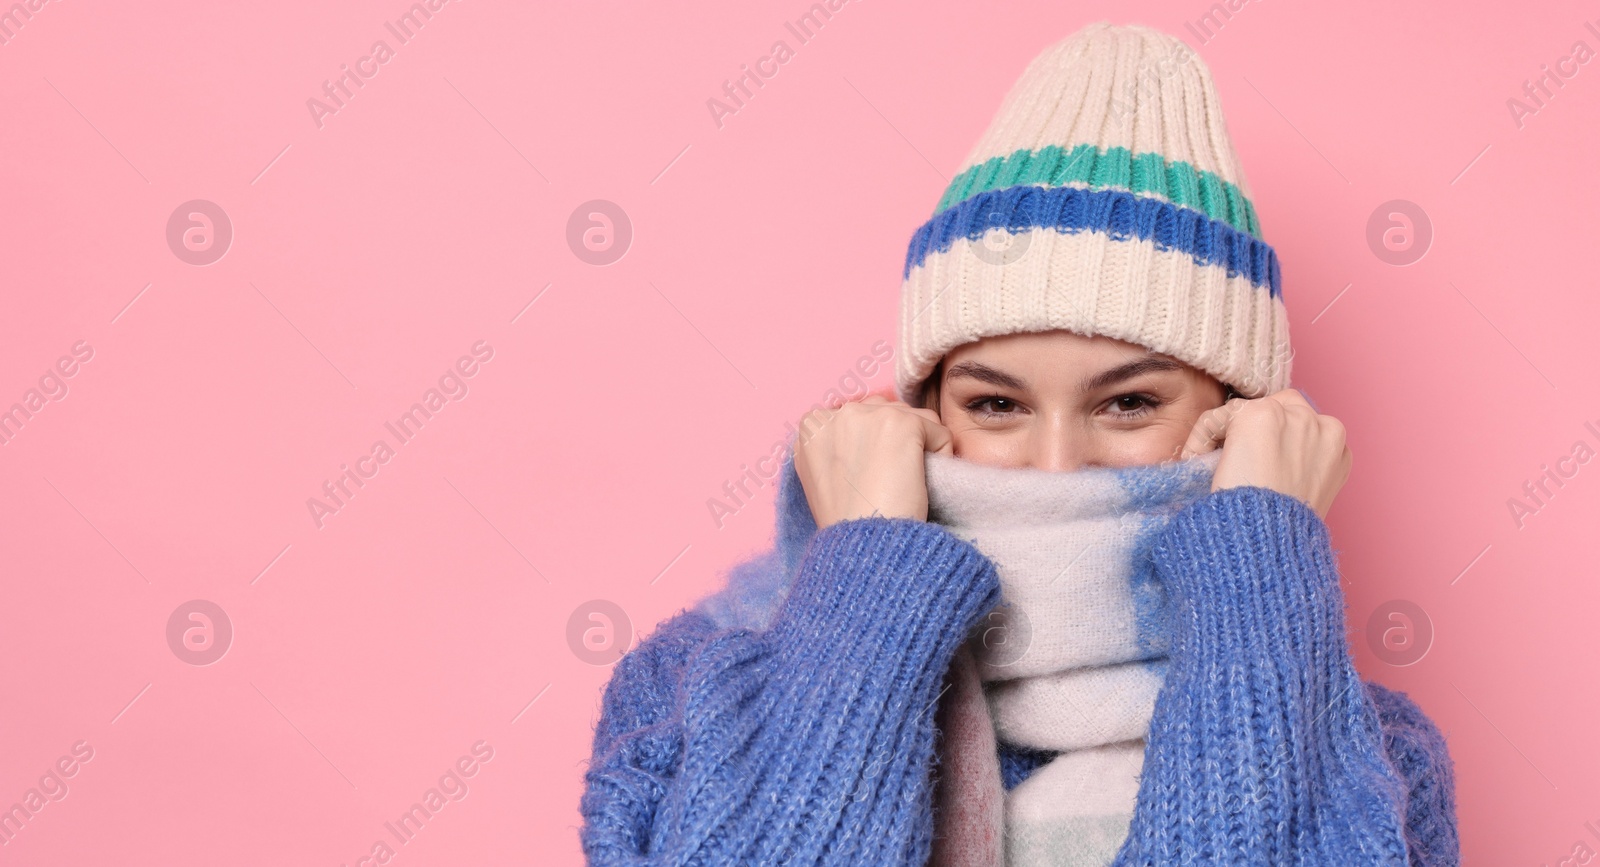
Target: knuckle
(903,423)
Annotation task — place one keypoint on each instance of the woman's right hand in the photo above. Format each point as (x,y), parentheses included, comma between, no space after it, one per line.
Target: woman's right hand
(866,458)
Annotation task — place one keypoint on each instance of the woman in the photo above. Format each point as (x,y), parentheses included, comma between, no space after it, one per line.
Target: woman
(1187,699)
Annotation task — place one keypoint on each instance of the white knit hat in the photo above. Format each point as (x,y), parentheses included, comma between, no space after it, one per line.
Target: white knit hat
(1105,198)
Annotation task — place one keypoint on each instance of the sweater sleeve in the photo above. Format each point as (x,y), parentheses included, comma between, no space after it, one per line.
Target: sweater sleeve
(1418,750)
(1265,747)
(808,743)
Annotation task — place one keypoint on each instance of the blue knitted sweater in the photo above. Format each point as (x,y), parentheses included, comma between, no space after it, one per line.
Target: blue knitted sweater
(806,736)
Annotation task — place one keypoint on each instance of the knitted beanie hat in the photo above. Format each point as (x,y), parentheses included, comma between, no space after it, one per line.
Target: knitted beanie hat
(1105,198)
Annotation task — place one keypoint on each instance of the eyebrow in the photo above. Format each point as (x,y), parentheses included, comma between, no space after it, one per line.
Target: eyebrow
(984,373)
(1137,367)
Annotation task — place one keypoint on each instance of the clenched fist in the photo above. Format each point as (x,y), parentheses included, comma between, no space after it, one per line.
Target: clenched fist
(1277,442)
(866,458)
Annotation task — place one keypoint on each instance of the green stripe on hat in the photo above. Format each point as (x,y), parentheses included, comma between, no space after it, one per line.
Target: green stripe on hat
(1117,168)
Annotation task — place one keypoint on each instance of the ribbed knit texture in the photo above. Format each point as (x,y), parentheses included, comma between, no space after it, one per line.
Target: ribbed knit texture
(811,741)
(1105,197)
(1266,748)
(1079,661)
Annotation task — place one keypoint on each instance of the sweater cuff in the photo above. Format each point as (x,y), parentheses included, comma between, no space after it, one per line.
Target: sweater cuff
(898,584)
(1252,564)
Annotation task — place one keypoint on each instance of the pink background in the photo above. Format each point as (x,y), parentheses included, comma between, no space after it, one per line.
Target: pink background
(425,215)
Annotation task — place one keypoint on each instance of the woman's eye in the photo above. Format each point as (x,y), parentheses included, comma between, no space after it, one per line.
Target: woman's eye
(1123,407)
(992,406)
(1133,405)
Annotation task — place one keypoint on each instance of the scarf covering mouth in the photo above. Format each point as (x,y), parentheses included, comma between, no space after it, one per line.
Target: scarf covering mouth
(815,721)
(1070,662)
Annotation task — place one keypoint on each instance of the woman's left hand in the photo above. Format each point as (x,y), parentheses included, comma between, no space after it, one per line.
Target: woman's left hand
(1278,442)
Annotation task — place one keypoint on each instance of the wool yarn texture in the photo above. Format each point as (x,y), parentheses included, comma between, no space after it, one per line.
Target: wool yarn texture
(1105,198)
(826,705)
(1134,671)
(1070,662)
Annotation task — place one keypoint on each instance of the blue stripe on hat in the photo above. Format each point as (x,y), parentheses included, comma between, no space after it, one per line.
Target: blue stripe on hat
(1116,213)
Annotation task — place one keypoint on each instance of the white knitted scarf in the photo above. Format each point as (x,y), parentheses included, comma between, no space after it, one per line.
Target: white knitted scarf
(1070,662)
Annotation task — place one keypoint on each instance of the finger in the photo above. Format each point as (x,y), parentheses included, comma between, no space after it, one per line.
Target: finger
(899,404)
(1211,429)
(1204,436)
(928,414)
(1291,397)
(936,437)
